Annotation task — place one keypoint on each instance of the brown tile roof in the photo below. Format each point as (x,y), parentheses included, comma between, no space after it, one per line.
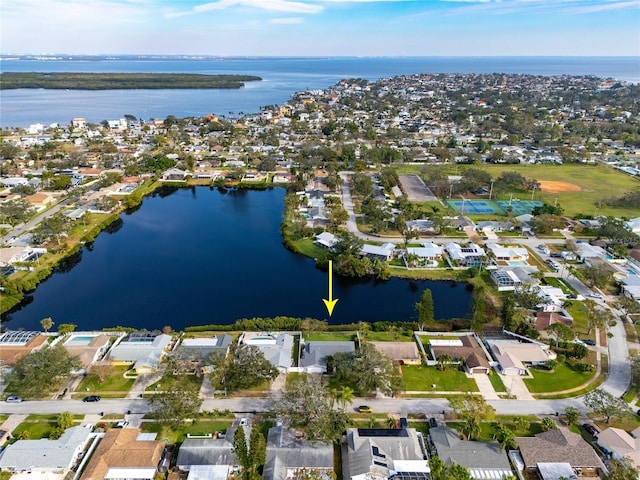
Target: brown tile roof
(544,319)
(10,354)
(558,445)
(119,448)
(470,350)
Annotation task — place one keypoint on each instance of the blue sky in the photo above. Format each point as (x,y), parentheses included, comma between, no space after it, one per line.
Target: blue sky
(322,27)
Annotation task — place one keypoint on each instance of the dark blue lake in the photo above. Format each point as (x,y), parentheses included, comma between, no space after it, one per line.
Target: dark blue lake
(200,256)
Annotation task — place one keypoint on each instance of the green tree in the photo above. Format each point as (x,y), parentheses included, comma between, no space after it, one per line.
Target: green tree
(368,370)
(606,405)
(307,406)
(549,423)
(572,415)
(41,372)
(507,313)
(241,449)
(16,211)
(505,437)
(65,420)
(65,328)
(596,316)
(442,471)
(245,367)
(179,402)
(46,323)
(472,410)
(258,452)
(596,275)
(425,307)
(621,469)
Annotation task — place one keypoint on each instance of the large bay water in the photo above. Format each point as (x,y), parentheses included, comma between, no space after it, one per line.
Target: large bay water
(282,76)
(200,256)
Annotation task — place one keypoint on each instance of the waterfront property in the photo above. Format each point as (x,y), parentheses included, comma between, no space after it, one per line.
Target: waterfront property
(142,350)
(276,347)
(17,344)
(89,347)
(315,354)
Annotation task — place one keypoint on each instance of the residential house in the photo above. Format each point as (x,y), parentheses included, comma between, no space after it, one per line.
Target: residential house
(587,251)
(383,252)
(315,354)
(421,226)
(513,357)
(201,351)
(559,446)
(483,459)
(21,254)
(125,453)
(428,251)
(383,453)
(508,254)
(17,344)
(633,225)
(88,346)
(470,255)
(545,319)
(326,240)
(46,456)
(619,444)
(288,453)
(466,348)
(40,200)
(218,451)
(405,353)
(276,347)
(142,349)
(174,175)
(506,280)
(493,226)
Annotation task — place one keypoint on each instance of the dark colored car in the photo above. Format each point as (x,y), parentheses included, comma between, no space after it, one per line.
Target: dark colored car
(433,422)
(591,429)
(589,342)
(404,423)
(91,398)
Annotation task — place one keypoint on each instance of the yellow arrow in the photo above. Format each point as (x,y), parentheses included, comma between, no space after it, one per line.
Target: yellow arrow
(331,303)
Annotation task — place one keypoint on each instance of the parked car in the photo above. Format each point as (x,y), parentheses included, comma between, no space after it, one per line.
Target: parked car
(365,409)
(91,398)
(433,423)
(589,342)
(591,429)
(13,399)
(121,424)
(596,295)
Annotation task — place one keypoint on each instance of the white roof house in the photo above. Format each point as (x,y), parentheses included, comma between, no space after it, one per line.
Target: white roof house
(621,444)
(508,253)
(428,250)
(634,225)
(44,455)
(143,349)
(512,356)
(326,239)
(276,347)
(464,254)
(586,250)
(384,251)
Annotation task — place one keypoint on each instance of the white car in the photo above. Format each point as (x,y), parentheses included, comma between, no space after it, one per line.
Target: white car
(13,399)
(596,295)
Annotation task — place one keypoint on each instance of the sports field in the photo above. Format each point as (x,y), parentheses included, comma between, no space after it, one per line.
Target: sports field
(577,188)
(490,207)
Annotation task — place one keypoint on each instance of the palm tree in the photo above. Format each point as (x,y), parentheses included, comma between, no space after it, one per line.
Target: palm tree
(346,397)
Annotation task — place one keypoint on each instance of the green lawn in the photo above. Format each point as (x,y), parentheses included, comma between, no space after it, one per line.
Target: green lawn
(397,336)
(38,426)
(328,336)
(168,380)
(561,378)
(421,378)
(113,383)
(199,427)
(496,381)
(488,430)
(306,247)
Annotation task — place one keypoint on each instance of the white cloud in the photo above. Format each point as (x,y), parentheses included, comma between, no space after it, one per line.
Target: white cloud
(288,21)
(271,5)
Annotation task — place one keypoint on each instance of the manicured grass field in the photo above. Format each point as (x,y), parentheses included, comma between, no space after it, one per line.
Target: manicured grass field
(168,380)
(497,383)
(329,336)
(488,430)
(306,247)
(561,378)
(38,426)
(113,383)
(421,378)
(199,427)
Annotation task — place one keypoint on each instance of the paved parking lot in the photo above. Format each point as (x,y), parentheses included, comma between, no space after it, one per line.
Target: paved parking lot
(416,189)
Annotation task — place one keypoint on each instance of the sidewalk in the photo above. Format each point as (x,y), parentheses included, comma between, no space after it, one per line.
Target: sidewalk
(485,387)
(142,382)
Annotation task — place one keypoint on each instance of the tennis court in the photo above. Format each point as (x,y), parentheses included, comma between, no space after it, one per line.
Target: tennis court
(491,207)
